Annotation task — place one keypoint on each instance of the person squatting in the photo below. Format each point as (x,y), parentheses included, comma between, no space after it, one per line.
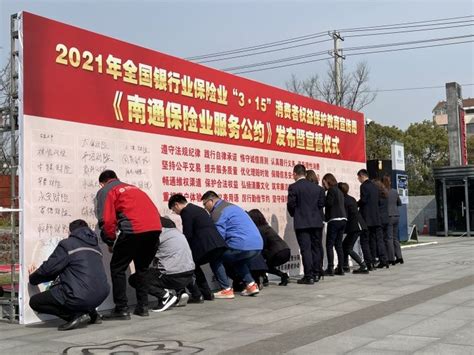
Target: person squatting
(237,245)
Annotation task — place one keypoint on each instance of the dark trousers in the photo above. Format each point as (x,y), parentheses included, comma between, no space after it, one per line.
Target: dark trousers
(377,245)
(201,283)
(311,250)
(365,246)
(141,249)
(334,235)
(278,259)
(388,241)
(44,302)
(158,283)
(348,248)
(395,237)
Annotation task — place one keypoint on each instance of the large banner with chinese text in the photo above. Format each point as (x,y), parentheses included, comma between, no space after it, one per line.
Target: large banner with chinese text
(167,125)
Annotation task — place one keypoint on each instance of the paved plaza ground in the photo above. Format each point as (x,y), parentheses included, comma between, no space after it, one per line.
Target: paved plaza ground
(425,306)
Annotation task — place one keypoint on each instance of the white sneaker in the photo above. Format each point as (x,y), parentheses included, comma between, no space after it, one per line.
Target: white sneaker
(183,300)
(165,303)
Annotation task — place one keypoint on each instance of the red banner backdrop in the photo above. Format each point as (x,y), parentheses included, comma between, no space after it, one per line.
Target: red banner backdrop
(77,75)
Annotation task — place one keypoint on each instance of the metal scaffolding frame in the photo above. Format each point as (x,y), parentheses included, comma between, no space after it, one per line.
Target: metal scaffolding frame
(12,126)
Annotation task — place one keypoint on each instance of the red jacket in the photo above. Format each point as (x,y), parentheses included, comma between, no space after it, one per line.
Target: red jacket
(127,208)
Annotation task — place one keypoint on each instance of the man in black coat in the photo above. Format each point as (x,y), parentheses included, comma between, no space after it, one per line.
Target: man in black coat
(369,208)
(305,201)
(80,280)
(204,240)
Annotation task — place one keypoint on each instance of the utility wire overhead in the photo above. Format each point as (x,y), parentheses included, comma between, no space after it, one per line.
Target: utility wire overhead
(349,49)
(282,66)
(394,44)
(407,49)
(402,25)
(268,51)
(414,88)
(354,54)
(288,59)
(408,31)
(260,46)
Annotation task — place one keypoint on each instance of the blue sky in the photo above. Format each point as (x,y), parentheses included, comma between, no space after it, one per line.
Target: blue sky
(188,28)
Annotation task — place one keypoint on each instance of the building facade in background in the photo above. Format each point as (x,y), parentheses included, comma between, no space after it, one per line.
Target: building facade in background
(440,116)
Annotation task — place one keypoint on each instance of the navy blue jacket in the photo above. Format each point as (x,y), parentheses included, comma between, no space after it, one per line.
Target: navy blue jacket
(369,203)
(305,202)
(76,265)
(204,240)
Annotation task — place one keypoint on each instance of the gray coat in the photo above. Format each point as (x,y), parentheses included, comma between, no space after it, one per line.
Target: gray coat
(173,255)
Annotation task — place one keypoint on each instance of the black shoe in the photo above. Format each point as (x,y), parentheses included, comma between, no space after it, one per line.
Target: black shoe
(329,272)
(363,269)
(393,263)
(319,276)
(165,303)
(198,300)
(265,281)
(399,261)
(382,265)
(346,269)
(141,311)
(95,317)
(208,297)
(305,281)
(117,314)
(78,321)
(285,279)
(339,271)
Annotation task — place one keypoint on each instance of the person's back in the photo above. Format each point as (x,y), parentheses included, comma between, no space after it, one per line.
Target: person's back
(369,203)
(236,227)
(127,208)
(393,203)
(273,244)
(334,204)
(205,241)
(305,201)
(80,283)
(173,255)
(82,280)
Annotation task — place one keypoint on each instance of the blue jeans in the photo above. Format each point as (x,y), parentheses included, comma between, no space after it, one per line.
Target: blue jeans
(240,260)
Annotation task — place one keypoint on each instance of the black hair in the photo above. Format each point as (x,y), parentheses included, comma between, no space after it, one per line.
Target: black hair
(257,217)
(363,172)
(176,198)
(209,194)
(107,175)
(299,169)
(166,222)
(78,223)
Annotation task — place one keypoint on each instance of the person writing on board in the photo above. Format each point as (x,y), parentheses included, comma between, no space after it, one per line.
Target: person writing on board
(80,281)
(125,208)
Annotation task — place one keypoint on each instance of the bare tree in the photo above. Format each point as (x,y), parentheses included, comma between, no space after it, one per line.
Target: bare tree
(355,91)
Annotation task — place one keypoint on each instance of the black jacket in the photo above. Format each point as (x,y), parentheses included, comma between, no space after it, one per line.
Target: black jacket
(383,206)
(305,201)
(272,243)
(334,204)
(369,203)
(76,265)
(355,222)
(204,240)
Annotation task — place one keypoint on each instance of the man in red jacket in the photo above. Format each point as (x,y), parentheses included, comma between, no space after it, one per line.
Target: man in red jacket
(129,210)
